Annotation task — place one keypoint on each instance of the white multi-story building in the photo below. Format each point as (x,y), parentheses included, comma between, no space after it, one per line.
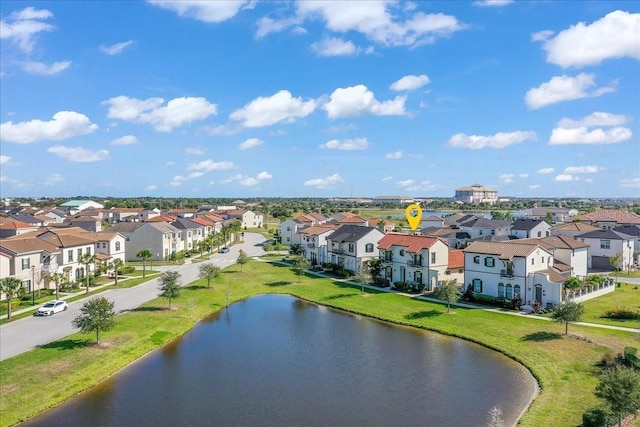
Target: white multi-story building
(476,194)
(351,245)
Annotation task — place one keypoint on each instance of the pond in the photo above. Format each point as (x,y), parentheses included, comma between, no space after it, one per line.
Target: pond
(275,360)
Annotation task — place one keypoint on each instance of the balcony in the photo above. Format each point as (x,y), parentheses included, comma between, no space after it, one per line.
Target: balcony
(506,273)
(337,250)
(388,259)
(414,263)
(311,245)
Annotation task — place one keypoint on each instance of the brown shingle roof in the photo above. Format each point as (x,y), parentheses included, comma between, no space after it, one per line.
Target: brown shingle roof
(611,215)
(30,244)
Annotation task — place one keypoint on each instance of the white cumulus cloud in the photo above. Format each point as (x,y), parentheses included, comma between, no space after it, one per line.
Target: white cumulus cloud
(22,26)
(333,46)
(78,154)
(151,187)
(42,69)
(250,143)
(4,160)
(64,124)
(565,88)
(358,100)
(596,128)
(325,183)
(52,180)
(492,3)
(346,144)
(545,171)
(615,35)
(393,156)
(178,111)
(499,140)
(410,82)
(565,178)
(630,182)
(205,11)
(125,140)
(264,175)
(280,107)
(196,151)
(570,170)
(210,165)
(115,49)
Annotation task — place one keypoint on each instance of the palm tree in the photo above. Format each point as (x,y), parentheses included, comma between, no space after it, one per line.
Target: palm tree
(86,260)
(144,254)
(11,287)
(56,278)
(115,265)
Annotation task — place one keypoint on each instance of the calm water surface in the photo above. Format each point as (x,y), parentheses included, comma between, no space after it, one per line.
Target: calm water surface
(275,360)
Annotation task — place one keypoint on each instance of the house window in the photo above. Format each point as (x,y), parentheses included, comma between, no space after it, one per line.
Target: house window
(477,285)
(79,254)
(509,291)
(117,246)
(476,259)
(26,285)
(88,251)
(70,256)
(539,233)
(401,252)
(351,247)
(489,262)
(26,263)
(480,232)
(433,257)
(341,261)
(368,247)
(542,260)
(605,244)
(500,290)
(516,290)
(533,261)
(288,228)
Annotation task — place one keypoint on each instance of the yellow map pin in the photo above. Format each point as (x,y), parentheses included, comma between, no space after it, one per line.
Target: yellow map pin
(414,215)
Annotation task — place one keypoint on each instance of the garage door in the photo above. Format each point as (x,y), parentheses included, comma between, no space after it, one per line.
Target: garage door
(601,263)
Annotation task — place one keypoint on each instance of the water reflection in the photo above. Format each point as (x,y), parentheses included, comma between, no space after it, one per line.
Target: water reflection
(287,362)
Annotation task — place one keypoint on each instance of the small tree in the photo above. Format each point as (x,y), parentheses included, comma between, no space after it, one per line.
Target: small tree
(243,258)
(169,286)
(116,265)
(615,261)
(209,271)
(620,388)
(87,260)
(144,255)
(12,288)
(566,312)
(97,315)
(300,265)
(448,292)
(572,284)
(296,249)
(56,278)
(374,266)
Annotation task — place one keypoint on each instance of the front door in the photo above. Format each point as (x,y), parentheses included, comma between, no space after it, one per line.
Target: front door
(539,293)
(403,274)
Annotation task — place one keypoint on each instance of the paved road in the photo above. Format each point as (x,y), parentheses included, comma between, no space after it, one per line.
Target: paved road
(27,333)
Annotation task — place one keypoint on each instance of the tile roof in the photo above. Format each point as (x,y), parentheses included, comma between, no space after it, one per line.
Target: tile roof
(502,249)
(456,259)
(553,242)
(554,276)
(10,224)
(574,226)
(314,230)
(414,244)
(26,245)
(611,215)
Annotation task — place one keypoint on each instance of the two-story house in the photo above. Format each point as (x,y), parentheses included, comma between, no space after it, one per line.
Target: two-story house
(504,269)
(414,259)
(10,227)
(313,240)
(480,227)
(192,233)
(605,244)
(287,230)
(525,228)
(29,259)
(571,229)
(610,218)
(570,256)
(351,245)
(160,238)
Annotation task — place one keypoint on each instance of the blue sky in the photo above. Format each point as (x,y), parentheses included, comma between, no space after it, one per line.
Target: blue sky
(317,99)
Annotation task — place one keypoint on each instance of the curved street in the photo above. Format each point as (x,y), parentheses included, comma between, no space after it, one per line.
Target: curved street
(26,334)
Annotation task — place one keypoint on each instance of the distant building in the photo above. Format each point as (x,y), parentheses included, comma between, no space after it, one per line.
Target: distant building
(72,207)
(476,194)
(394,200)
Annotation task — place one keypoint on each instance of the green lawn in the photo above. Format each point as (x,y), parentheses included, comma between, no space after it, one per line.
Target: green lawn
(625,296)
(565,367)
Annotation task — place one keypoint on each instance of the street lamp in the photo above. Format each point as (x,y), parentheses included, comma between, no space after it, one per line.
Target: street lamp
(33,281)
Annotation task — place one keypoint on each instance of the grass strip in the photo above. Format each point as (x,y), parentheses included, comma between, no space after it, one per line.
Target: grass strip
(565,367)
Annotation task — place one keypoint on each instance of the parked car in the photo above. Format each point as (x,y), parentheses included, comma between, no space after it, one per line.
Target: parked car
(224,250)
(51,307)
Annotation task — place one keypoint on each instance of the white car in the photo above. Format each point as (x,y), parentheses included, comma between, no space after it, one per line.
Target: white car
(51,307)
(224,250)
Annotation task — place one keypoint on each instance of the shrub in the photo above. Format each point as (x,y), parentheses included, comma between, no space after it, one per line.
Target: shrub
(379,281)
(622,313)
(402,286)
(597,417)
(419,287)
(631,358)
(15,303)
(126,270)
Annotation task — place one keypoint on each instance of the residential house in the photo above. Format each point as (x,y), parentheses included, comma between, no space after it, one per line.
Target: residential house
(72,207)
(110,245)
(571,229)
(633,231)
(478,227)
(313,240)
(554,214)
(88,223)
(162,239)
(570,256)
(182,213)
(288,230)
(31,219)
(9,227)
(455,267)
(525,228)
(125,214)
(58,215)
(610,218)
(147,214)
(351,245)
(414,259)
(29,259)
(192,233)
(605,244)
(454,237)
(432,221)
(504,269)
(384,225)
(249,219)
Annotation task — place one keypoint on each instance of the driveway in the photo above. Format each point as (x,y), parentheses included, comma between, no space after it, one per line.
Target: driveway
(28,333)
